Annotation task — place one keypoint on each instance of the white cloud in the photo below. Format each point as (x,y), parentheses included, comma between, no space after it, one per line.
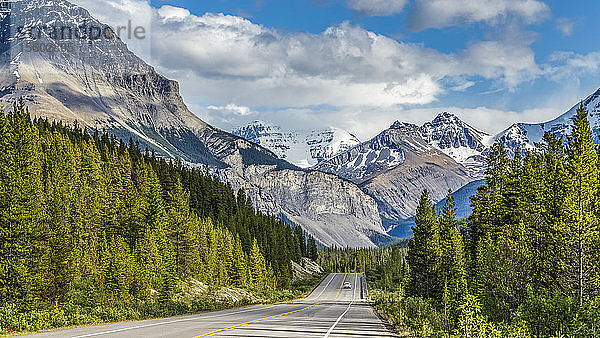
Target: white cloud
(377,7)
(232,109)
(569,67)
(221,59)
(231,59)
(356,79)
(510,62)
(175,13)
(226,115)
(444,13)
(565,26)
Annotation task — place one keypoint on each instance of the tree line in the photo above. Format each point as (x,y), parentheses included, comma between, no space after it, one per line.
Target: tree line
(528,258)
(84,213)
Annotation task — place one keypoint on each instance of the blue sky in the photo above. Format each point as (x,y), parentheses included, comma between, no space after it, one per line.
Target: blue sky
(361,64)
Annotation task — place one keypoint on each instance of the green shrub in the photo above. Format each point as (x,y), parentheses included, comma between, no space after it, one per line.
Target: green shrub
(560,316)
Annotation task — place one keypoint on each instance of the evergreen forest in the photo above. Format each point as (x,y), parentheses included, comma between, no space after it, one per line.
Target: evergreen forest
(525,263)
(94,229)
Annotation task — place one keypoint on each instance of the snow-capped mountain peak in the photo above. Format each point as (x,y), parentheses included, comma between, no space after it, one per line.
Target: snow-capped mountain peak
(457,139)
(302,148)
(523,136)
(402,125)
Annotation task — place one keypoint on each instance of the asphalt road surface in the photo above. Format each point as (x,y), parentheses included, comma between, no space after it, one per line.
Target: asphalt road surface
(329,311)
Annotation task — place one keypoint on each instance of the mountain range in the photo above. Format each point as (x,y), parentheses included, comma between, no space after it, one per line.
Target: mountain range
(523,136)
(443,155)
(397,164)
(300,147)
(342,191)
(101,84)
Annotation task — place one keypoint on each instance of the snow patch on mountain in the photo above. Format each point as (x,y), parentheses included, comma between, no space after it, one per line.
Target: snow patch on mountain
(465,144)
(102,85)
(384,151)
(523,136)
(302,148)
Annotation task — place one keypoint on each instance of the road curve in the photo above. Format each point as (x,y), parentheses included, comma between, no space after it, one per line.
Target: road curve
(329,311)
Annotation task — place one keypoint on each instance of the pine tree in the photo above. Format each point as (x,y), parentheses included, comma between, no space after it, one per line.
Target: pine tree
(583,200)
(452,274)
(179,223)
(424,251)
(239,268)
(312,248)
(258,268)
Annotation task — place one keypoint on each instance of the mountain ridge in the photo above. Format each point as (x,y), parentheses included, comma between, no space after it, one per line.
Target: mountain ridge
(304,148)
(523,136)
(394,167)
(102,85)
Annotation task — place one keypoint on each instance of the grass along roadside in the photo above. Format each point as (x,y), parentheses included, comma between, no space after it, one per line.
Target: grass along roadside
(193,297)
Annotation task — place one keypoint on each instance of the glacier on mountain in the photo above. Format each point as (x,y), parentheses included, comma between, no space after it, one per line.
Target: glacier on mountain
(302,148)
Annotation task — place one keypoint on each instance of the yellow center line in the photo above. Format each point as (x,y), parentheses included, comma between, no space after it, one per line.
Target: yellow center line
(265,318)
(340,290)
(253,321)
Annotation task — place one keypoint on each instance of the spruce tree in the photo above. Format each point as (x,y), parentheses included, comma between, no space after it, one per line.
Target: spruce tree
(583,201)
(453,274)
(424,251)
(312,248)
(258,268)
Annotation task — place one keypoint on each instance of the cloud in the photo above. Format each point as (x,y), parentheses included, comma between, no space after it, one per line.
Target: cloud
(508,62)
(565,26)
(377,7)
(232,109)
(231,59)
(226,115)
(175,13)
(232,70)
(444,13)
(220,59)
(569,67)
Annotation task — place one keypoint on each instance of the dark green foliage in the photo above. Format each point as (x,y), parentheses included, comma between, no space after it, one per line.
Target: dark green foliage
(87,220)
(425,252)
(530,262)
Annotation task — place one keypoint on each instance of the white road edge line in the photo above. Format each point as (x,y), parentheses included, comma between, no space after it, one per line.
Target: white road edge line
(325,288)
(347,309)
(188,319)
(197,317)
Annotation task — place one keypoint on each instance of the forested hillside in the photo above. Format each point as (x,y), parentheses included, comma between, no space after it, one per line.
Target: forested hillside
(525,264)
(88,221)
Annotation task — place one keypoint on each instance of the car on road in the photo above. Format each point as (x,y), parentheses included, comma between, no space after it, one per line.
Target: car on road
(347,285)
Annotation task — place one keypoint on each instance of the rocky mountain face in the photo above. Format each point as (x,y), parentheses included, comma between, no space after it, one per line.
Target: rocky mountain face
(302,148)
(523,136)
(465,144)
(100,84)
(462,198)
(395,167)
(335,211)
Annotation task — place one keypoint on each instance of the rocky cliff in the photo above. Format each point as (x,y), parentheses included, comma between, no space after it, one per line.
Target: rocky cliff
(395,167)
(102,85)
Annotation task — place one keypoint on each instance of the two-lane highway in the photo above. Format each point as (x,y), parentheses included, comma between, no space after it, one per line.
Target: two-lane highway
(329,311)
